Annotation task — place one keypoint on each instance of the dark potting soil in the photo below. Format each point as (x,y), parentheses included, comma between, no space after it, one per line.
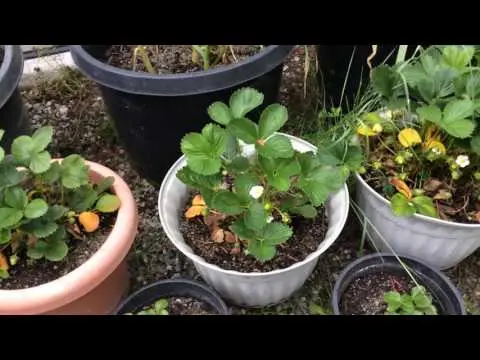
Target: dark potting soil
(28,273)
(173,59)
(307,235)
(188,306)
(365,294)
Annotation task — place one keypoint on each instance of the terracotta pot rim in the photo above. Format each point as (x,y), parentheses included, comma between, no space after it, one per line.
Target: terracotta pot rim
(91,273)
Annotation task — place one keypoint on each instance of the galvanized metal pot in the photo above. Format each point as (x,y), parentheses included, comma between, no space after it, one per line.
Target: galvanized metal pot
(249,289)
(439,243)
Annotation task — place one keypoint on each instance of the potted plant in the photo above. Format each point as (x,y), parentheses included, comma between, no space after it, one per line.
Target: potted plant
(66,226)
(252,208)
(174,297)
(157,93)
(385,284)
(420,188)
(13,117)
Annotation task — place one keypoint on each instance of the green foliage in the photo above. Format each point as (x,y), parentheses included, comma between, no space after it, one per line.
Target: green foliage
(269,186)
(160,307)
(402,206)
(40,199)
(417,302)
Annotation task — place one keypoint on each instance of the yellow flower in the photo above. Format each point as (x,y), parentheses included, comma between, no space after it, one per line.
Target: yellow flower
(409,137)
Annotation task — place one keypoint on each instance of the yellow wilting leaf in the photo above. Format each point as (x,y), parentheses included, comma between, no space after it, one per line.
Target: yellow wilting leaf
(365,130)
(409,137)
(3,262)
(402,187)
(436,144)
(198,207)
(89,220)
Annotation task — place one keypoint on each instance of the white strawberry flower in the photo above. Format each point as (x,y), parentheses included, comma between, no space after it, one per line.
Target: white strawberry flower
(269,219)
(256,191)
(462,161)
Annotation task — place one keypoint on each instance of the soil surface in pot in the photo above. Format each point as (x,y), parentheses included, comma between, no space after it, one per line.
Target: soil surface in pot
(28,273)
(307,235)
(181,306)
(365,294)
(174,59)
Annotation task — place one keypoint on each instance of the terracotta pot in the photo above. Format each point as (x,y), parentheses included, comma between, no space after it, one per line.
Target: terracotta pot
(98,285)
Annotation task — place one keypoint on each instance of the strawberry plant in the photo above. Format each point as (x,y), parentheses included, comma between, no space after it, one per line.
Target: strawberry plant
(417,302)
(45,203)
(250,178)
(423,141)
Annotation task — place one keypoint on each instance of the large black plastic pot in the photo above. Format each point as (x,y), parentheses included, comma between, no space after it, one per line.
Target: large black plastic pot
(172,288)
(153,112)
(444,293)
(13,116)
(334,61)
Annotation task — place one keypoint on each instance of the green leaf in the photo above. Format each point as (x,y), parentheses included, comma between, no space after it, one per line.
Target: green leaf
(420,298)
(52,174)
(307,211)
(261,251)
(9,217)
(243,101)
(2,154)
(2,132)
(9,175)
(383,80)
(277,146)
(37,252)
(104,185)
(4,274)
(201,157)
(55,212)
(443,82)
(40,162)
(56,251)
(81,199)
(454,118)
(58,235)
(239,164)
(256,217)
(431,113)
(36,208)
(341,153)
(216,137)
(394,300)
(401,206)
(41,138)
(407,304)
(16,197)
(220,113)
(308,161)
(5,236)
(475,144)
(43,229)
(243,184)
(321,182)
(195,180)
(275,233)
(458,56)
(23,149)
(241,230)
(228,203)
(245,129)
(472,86)
(108,203)
(425,206)
(272,119)
(280,171)
(73,172)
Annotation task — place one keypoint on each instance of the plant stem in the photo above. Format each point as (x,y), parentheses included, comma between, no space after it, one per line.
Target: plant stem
(145,59)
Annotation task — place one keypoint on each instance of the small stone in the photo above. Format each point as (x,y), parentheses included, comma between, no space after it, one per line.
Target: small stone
(296,58)
(63,110)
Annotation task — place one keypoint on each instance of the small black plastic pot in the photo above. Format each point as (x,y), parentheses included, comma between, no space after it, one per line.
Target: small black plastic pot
(13,116)
(334,62)
(444,293)
(172,288)
(153,112)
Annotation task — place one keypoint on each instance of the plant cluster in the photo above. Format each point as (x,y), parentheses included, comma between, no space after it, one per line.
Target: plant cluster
(160,307)
(417,302)
(207,55)
(422,143)
(43,202)
(251,179)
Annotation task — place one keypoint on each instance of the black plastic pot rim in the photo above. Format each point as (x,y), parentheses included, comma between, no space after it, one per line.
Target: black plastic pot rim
(336,296)
(11,71)
(194,83)
(187,283)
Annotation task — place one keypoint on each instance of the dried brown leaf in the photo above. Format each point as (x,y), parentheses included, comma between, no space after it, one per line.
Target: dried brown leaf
(3,262)
(218,235)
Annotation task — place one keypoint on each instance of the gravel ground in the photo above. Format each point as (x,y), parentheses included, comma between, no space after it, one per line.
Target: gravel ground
(73,106)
